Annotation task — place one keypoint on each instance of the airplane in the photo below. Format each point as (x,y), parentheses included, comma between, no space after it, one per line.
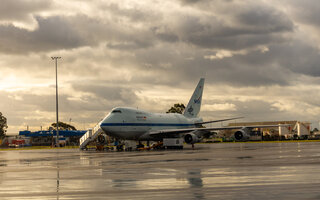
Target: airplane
(135,124)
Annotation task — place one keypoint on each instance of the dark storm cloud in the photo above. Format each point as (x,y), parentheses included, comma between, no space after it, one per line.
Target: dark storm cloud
(188,65)
(163,33)
(306,11)
(255,26)
(186,2)
(264,19)
(297,57)
(252,27)
(134,14)
(130,45)
(53,33)
(70,32)
(21,9)
(115,94)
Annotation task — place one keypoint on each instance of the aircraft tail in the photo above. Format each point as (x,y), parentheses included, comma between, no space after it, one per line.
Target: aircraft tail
(193,108)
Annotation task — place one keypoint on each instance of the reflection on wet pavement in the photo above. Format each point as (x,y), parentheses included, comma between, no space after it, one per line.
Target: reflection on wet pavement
(219,171)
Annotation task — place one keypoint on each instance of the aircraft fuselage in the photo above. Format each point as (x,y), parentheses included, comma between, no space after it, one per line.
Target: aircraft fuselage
(135,124)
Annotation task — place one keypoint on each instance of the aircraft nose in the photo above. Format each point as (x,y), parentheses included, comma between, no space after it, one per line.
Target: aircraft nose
(107,119)
(105,124)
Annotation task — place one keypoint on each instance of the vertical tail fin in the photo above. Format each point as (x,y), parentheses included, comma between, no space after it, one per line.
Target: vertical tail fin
(194,105)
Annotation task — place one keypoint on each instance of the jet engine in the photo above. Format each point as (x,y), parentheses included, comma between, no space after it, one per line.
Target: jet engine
(191,138)
(242,134)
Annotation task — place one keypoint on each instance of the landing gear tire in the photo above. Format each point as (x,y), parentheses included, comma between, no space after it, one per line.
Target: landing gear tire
(140,146)
(120,148)
(101,139)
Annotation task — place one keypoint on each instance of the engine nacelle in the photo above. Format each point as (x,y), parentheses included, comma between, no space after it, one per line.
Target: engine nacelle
(191,138)
(242,134)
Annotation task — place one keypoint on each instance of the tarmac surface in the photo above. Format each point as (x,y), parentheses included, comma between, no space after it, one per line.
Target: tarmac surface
(211,171)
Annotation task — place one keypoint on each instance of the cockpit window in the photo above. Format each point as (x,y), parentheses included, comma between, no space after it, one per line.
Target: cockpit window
(116,111)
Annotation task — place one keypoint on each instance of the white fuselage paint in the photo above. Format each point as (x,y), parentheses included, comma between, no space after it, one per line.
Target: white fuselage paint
(134,124)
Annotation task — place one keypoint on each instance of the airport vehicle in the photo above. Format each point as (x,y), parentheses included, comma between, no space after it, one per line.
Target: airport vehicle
(135,124)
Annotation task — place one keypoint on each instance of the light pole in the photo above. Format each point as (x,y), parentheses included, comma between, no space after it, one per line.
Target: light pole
(57,125)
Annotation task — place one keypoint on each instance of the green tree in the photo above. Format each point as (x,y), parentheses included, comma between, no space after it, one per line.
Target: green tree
(314,130)
(3,125)
(64,126)
(177,108)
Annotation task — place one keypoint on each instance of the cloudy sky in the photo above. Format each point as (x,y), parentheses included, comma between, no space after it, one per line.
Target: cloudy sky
(260,58)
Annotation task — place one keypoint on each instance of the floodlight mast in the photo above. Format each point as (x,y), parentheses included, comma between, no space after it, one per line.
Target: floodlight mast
(57,107)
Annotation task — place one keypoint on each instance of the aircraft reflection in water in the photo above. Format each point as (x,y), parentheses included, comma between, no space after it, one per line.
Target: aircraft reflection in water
(196,183)
(135,124)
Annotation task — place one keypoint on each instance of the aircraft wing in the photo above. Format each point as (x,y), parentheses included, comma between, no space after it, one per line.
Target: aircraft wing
(220,120)
(169,132)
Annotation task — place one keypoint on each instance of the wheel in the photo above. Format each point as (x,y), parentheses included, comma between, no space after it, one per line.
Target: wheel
(101,139)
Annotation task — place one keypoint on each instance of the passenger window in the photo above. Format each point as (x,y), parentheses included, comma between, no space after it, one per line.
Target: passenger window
(116,111)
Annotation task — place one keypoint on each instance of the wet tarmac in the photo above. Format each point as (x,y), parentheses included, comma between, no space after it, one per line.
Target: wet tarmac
(212,171)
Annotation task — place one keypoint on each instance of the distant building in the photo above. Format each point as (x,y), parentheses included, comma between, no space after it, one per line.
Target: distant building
(295,129)
(15,141)
(47,138)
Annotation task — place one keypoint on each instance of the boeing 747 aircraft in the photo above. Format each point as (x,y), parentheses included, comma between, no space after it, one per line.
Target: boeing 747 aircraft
(134,124)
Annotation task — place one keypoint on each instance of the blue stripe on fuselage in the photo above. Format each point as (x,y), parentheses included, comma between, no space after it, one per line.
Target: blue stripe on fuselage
(144,124)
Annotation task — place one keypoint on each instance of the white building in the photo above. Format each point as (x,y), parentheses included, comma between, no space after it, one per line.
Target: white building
(294,128)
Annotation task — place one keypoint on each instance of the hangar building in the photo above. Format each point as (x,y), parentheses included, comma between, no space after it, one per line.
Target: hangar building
(296,129)
(47,138)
